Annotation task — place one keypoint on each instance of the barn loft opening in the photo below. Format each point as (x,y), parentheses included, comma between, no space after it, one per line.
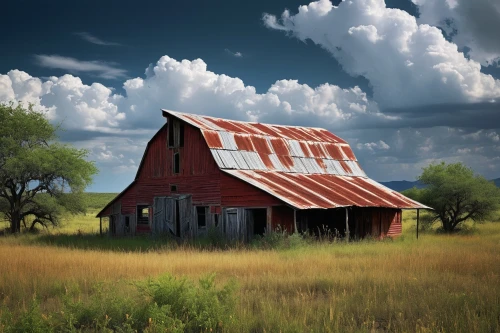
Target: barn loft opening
(142,214)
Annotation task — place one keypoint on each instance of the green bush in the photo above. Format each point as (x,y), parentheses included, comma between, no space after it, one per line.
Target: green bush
(102,310)
(279,239)
(198,309)
(31,320)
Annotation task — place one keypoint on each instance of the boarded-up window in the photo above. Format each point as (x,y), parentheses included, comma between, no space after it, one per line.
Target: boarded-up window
(202,216)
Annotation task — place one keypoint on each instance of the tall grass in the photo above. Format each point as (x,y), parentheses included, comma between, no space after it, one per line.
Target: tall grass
(440,283)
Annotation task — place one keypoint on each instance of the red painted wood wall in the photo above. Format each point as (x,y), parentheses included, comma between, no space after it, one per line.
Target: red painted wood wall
(237,193)
(282,216)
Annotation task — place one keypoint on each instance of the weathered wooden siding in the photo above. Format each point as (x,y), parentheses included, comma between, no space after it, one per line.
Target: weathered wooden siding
(396,226)
(282,216)
(377,222)
(237,193)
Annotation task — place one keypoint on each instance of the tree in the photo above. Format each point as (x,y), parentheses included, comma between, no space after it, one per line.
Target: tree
(39,177)
(456,194)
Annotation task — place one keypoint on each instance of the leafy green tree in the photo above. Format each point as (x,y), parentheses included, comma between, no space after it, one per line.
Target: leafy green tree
(456,194)
(39,177)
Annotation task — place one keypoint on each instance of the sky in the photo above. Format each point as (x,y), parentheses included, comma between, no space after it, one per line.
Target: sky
(406,82)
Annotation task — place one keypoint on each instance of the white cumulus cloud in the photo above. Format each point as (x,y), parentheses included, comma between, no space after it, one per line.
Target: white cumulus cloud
(65,99)
(407,64)
(473,24)
(188,86)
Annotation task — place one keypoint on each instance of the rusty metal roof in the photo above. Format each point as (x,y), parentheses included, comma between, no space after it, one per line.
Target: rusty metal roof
(303,166)
(308,191)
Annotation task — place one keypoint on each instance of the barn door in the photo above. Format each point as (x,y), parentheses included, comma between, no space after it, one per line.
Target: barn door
(164,215)
(184,212)
(231,224)
(170,215)
(159,213)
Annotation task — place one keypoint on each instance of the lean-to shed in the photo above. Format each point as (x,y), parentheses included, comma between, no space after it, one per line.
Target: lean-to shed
(243,178)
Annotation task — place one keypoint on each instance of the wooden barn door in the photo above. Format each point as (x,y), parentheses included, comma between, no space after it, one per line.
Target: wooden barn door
(184,211)
(163,218)
(172,215)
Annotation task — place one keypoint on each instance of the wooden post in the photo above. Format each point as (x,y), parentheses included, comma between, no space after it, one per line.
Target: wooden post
(269,227)
(347,224)
(100,225)
(295,220)
(418,218)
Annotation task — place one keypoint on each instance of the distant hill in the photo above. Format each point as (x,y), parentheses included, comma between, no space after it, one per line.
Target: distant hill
(97,201)
(401,185)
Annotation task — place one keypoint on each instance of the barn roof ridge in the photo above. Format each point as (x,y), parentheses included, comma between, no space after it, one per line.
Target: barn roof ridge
(299,133)
(240,121)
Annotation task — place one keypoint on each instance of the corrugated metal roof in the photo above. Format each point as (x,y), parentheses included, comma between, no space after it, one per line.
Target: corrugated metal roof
(305,167)
(309,191)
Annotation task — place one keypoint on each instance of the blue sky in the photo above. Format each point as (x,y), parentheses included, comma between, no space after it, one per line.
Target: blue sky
(405,87)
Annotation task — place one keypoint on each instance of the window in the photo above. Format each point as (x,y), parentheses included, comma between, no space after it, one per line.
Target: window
(177,163)
(202,216)
(173,188)
(143,214)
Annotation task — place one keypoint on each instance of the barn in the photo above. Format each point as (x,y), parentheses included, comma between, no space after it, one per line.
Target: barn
(241,179)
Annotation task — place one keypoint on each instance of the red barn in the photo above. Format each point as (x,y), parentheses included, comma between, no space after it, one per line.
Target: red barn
(243,178)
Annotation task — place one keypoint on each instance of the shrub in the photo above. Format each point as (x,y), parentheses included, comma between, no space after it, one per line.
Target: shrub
(180,303)
(32,320)
(279,239)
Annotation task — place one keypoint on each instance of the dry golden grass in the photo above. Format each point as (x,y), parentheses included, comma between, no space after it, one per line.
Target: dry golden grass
(439,283)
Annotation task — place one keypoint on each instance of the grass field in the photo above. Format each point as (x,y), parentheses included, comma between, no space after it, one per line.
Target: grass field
(440,283)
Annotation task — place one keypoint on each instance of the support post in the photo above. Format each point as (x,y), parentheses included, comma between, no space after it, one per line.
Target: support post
(347,224)
(418,219)
(295,221)
(269,227)
(100,225)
